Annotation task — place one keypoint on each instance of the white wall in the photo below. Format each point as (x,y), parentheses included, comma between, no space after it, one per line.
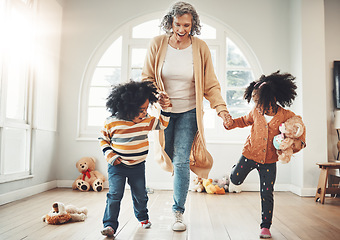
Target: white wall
(332,38)
(314,88)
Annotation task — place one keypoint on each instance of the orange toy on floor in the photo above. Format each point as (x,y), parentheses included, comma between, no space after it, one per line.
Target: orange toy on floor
(211,188)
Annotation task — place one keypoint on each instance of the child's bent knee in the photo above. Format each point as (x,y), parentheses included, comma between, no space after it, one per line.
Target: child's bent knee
(235,180)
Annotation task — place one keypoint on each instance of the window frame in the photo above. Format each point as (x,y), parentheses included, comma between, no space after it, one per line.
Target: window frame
(25,124)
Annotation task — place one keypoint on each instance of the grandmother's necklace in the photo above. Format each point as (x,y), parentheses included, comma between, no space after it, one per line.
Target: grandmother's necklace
(173,43)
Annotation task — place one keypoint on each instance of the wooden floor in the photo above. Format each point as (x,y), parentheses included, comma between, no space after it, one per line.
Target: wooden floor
(208,217)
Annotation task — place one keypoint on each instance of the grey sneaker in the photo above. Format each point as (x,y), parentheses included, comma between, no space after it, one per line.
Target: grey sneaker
(108,231)
(178,225)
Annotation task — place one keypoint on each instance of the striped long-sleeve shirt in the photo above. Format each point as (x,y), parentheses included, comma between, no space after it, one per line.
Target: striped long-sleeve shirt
(127,142)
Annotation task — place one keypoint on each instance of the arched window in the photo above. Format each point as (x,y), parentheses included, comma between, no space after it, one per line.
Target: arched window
(121,58)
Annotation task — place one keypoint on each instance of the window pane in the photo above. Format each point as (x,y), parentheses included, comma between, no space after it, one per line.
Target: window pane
(235,99)
(113,55)
(20,36)
(14,161)
(137,57)
(213,58)
(235,113)
(148,29)
(98,96)
(28,2)
(97,116)
(239,78)
(209,118)
(235,57)
(207,32)
(16,91)
(136,74)
(106,77)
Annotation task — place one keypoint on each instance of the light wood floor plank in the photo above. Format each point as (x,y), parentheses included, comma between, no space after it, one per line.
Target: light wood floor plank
(208,217)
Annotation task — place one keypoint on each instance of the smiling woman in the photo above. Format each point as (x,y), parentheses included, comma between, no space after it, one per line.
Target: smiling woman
(181,26)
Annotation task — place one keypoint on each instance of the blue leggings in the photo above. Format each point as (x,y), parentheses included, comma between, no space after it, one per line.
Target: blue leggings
(267,173)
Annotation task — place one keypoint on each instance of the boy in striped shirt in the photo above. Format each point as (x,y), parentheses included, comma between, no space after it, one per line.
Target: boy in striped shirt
(124,142)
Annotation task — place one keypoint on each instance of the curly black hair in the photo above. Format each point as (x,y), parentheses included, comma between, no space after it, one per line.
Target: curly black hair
(125,100)
(179,9)
(272,90)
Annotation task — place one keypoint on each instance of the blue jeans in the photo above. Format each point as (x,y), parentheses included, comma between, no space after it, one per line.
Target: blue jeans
(267,174)
(179,136)
(135,176)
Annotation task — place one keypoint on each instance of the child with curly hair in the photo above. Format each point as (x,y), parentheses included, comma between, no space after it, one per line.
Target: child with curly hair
(124,142)
(270,94)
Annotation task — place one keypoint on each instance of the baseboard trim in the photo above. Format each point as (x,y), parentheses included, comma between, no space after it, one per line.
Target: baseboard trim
(302,192)
(26,192)
(246,187)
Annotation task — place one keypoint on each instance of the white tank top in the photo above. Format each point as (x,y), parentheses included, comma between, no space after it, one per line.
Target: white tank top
(178,78)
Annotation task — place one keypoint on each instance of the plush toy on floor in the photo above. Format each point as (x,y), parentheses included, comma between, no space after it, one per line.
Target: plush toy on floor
(89,177)
(61,214)
(211,188)
(198,185)
(287,142)
(222,182)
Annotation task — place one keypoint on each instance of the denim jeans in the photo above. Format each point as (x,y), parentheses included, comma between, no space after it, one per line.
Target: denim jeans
(267,174)
(179,136)
(135,176)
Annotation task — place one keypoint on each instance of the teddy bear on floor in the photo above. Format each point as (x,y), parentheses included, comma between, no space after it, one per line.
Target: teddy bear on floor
(61,214)
(89,177)
(287,142)
(198,185)
(211,188)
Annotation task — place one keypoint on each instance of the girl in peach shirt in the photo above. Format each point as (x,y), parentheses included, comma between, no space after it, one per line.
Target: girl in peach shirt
(270,94)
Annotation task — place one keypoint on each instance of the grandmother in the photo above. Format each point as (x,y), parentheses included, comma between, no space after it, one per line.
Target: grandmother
(180,64)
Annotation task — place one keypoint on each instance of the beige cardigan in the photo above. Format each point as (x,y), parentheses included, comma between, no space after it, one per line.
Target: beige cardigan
(206,85)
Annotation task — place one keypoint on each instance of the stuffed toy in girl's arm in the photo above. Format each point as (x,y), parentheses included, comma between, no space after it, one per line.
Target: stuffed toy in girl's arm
(291,139)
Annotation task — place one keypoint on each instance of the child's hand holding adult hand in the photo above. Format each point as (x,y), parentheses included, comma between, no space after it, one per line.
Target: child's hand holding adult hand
(164,100)
(227,119)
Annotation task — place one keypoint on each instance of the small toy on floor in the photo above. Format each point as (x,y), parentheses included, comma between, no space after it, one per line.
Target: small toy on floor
(62,214)
(211,188)
(222,182)
(198,185)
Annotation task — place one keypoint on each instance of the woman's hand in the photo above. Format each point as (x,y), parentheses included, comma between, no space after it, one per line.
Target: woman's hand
(227,119)
(164,100)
